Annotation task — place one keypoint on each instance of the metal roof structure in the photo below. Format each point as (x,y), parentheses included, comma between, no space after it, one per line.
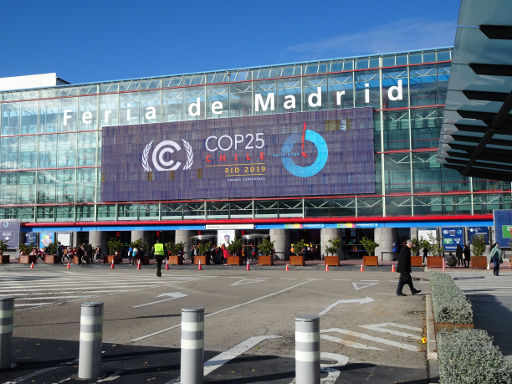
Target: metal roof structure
(476,137)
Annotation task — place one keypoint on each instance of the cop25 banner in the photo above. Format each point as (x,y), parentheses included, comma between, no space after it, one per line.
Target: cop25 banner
(295,154)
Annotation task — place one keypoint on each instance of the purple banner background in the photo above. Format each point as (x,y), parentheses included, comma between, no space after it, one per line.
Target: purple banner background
(131,155)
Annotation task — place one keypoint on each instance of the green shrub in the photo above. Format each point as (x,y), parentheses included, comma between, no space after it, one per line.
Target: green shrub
(369,245)
(52,248)
(449,303)
(467,356)
(478,245)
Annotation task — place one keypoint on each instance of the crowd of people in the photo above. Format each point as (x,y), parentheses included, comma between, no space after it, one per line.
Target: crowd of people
(85,253)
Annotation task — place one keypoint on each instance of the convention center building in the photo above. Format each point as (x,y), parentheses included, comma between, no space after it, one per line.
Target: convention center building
(340,148)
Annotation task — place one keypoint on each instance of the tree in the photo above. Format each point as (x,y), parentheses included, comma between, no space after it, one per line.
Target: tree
(3,246)
(369,245)
(114,246)
(203,248)
(52,248)
(235,247)
(478,243)
(434,247)
(333,248)
(266,247)
(299,246)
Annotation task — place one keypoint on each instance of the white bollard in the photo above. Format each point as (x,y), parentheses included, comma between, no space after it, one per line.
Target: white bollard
(192,345)
(307,350)
(6,323)
(91,336)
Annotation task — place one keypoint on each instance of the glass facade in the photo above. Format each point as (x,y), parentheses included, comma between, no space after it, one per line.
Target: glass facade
(50,139)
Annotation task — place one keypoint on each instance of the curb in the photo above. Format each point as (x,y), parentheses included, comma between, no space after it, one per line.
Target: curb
(431,340)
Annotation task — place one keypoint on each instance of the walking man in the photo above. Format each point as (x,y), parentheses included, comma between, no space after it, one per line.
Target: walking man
(159,252)
(404,268)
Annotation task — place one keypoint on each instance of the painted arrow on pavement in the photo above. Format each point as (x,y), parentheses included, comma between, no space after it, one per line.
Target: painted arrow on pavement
(172,296)
(366,300)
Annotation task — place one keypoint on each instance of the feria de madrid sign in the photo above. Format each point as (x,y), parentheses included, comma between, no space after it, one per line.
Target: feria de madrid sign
(299,154)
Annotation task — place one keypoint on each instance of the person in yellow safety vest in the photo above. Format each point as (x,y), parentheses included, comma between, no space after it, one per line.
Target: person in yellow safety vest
(159,251)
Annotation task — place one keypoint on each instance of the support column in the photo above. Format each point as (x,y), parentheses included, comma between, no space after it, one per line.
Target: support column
(183,236)
(74,239)
(384,236)
(99,238)
(414,233)
(327,234)
(145,236)
(281,239)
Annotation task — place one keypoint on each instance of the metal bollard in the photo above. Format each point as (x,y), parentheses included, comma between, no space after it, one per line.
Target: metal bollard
(6,322)
(91,336)
(307,350)
(192,345)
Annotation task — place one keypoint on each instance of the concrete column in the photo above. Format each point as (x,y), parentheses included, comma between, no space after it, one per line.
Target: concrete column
(384,236)
(145,236)
(414,233)
(74,239)
(183,236)
(327,234)
(281,239)
(99,238)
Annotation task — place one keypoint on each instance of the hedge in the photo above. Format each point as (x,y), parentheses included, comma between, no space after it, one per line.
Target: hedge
(449,303)
(468,356)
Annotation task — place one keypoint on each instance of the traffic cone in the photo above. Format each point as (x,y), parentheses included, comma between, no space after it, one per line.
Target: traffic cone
(138,264)
(287,267)
(32,265)
(69,265)
(362,268)
(166,265)
(112,264)
(248,267)
(327,267)
(199,266)
(393,268)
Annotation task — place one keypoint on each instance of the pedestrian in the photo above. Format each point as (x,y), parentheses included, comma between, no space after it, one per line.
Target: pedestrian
(467,255)
(425,254)
(130,255)
(135,256)
(159,252)
(496,258)
(404,268)
(394,250)
(458,254)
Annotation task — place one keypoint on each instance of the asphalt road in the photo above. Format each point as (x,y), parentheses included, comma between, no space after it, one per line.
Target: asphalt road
(368,335)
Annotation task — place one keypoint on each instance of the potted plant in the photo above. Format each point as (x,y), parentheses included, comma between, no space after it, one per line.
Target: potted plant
(332,249)
(265,249)
(51,253)
(202,250)
(416,259)
(115,247)
(370,245)
(175,252)
(298,258)
(235,252)
(437,259)
(25,256)
(477,260)
(3,247)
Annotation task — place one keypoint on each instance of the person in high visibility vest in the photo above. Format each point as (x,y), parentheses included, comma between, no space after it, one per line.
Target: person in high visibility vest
(158,251)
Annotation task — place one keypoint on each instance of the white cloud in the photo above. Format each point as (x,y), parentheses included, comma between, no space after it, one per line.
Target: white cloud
(401,35)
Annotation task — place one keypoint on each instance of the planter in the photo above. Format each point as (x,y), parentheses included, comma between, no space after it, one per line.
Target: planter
(333,261)
(234,260)
(416,261)
(266,260)
(108,259)
(28,259)
(51,259)
(204,260)
(478,262)
(4,259)
(175,259)
(435,262)
(370,260)
(297,260)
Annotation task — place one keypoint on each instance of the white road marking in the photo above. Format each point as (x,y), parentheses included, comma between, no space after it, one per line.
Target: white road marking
(33,304)
(373,338)
(383,328)
(51,297)
(172,296)
(225,309)
(363,284)
(332,373)
(360,301)
(348,343)
(224,357)
(248,281)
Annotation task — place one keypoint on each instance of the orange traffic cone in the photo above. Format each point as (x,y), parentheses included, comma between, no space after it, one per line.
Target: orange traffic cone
(199,266)
(69,265)
(287,267)
(327,267)
(393,268)
(248,267)
(362,268)
(32,265)
(138,264)
(112,264)
(166,265)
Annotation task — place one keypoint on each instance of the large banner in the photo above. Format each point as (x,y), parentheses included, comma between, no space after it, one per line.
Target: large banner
(10,232)
(295,154)
(503,227)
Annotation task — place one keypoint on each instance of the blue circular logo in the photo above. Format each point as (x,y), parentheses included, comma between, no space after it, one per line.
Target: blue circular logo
(319,163)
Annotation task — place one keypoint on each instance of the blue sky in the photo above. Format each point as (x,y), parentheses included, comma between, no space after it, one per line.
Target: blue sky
(98,40)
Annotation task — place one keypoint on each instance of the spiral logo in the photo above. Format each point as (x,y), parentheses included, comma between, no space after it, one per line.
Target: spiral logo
(310,170)
(160,158)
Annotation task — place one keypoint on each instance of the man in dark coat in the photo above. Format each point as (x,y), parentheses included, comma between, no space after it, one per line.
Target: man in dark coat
(404,268)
